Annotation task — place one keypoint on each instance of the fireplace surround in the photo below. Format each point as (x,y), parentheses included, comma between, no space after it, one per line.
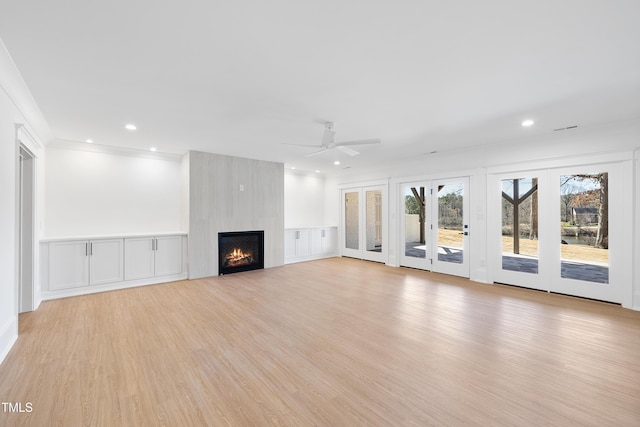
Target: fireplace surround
(240,251)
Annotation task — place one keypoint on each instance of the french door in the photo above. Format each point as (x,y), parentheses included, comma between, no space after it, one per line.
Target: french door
(435,228)
(415,202)
(561,230)
(364,224)
(450,234)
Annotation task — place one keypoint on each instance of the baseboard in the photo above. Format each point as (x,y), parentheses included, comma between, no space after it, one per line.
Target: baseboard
(8,336)
(85,290)
(308,258)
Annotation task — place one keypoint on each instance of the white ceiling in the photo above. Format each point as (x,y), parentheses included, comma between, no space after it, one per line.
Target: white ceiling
(244,77)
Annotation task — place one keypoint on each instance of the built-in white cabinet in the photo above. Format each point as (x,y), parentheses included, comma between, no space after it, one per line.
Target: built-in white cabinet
(303,244)
(152,256)
(324,241)
(297,243)
(78,266)
(78,263)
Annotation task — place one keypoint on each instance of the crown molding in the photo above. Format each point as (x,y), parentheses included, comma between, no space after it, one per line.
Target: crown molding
(66,144)
(14,86)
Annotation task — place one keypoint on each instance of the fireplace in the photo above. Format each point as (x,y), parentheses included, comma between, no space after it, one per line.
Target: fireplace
(240,251)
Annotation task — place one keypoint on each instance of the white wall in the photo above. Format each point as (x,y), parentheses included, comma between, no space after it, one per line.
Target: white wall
(16,107)
(304,199)
(100,193)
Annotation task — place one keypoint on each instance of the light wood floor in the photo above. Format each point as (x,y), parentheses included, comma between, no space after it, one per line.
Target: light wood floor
(336,342)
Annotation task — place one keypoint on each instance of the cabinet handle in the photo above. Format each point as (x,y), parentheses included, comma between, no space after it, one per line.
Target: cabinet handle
(297,235)
(86,249)
(153,244)
(322,234)
(156,244)
(91,248)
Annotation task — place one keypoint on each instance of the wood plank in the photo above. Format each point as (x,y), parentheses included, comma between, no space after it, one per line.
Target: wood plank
(329,342)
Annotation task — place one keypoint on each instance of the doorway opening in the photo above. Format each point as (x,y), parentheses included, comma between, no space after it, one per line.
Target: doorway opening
(26,230)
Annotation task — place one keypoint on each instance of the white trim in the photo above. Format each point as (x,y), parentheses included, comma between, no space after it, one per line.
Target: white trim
(66,144)
(13,84)
(361,184)
(27,139)
(438,176)
(561,162)
(112,236)
(85,290)
(8,336)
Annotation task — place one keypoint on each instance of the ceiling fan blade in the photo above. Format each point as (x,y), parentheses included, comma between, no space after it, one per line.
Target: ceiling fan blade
(347,150)
(360,142)
(301,145)
(318,152)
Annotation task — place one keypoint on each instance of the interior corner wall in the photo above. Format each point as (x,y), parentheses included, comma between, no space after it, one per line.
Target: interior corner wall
(233,194)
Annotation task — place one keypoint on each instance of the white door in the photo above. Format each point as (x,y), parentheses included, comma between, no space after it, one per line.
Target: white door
(563,230)
(168,251)
(518,218)
(450,231)
(415,246)
(589,236)
(106,261)
(364,225)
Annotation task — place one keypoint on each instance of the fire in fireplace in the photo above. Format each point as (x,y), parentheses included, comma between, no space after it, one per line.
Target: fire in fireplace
(240,251)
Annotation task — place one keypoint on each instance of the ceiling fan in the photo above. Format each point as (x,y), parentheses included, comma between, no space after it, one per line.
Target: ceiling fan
(329,143)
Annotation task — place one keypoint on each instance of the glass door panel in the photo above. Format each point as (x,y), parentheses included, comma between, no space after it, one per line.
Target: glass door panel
(414,200)
(451,226)
(592,206)
(584,227)
(352,220)
(373,220)
(520,225)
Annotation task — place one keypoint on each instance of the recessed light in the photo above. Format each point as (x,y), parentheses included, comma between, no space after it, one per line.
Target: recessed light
(317,171)
(152,149)
(527,123)
(293,167)
(89,141)
(130,127)
(336,163)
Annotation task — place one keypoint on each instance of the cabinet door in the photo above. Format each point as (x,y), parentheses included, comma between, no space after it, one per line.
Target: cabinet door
(316,241)
(303,244)
(168,255)
(68,264)
(329,240)
(106,261)
(139,258)
(290,243)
